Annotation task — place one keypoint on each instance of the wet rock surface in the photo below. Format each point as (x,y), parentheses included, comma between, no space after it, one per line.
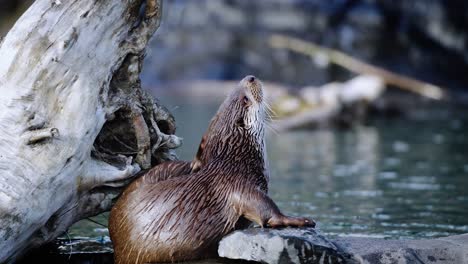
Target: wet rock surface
(282,246)
(308,246)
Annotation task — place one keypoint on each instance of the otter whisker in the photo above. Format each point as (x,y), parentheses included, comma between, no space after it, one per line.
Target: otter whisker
(271,128)
(270,113)
(270,109)
(269,117)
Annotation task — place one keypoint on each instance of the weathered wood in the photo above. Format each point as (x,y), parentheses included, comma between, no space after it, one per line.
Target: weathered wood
(332,104)
(357,66)
(73,117)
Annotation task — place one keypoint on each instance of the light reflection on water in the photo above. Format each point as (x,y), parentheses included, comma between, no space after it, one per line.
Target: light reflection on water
(368,181)
(393,178)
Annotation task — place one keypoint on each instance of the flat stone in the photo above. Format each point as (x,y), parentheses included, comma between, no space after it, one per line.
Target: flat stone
(281,246)
(309,246)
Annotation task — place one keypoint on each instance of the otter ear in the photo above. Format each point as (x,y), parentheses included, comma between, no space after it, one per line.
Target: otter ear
(197,161)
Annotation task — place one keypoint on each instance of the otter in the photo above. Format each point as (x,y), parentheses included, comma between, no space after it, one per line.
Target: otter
(180,210)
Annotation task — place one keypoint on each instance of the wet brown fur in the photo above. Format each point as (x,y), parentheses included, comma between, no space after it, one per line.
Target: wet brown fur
(180,210)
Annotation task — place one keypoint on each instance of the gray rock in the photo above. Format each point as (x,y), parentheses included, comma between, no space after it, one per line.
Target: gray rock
(308,246)
(281,246)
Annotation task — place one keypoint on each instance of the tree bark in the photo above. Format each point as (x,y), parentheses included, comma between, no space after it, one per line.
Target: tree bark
(75,125)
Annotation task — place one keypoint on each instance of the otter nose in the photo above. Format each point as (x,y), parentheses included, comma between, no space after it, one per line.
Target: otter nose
(251,78)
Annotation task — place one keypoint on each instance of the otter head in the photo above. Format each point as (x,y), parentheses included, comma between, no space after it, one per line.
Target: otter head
(238,125)
(249,103)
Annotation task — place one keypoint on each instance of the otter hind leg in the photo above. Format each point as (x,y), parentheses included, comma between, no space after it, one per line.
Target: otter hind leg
(283,220)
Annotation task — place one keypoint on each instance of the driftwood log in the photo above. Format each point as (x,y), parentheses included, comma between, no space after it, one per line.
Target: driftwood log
(75,125)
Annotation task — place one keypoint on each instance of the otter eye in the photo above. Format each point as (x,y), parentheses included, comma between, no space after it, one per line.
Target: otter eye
(246,100)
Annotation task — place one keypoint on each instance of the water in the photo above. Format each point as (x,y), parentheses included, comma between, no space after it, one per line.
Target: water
(393,178)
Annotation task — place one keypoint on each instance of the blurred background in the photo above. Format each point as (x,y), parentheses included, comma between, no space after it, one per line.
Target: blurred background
(391,163)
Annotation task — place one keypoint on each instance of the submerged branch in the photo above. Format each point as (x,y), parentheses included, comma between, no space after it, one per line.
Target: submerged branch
(357,66)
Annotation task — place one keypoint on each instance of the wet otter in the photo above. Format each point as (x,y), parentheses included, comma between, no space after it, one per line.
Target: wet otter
(164,218)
